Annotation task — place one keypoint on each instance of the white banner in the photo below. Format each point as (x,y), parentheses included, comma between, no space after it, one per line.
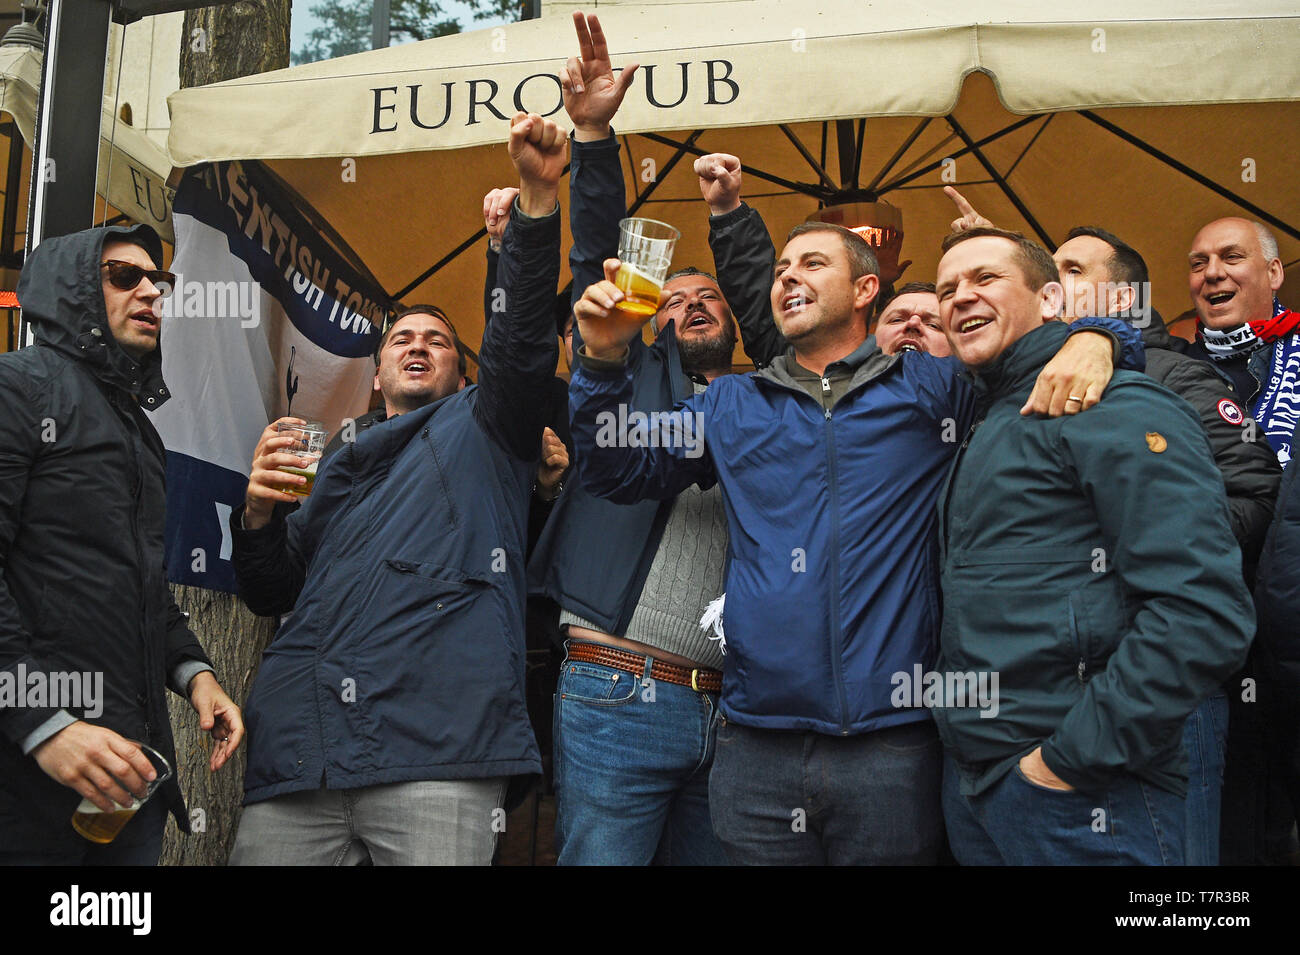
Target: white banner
(267,319)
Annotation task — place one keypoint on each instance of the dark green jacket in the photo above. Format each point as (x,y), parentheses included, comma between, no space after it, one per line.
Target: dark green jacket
(1089,562)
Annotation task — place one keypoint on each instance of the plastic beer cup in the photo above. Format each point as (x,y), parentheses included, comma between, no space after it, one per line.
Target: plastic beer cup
(98,826)
(311,445)
(645,251)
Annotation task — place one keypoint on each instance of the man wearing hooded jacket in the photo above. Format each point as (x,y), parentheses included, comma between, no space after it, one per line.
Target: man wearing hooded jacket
(83,594)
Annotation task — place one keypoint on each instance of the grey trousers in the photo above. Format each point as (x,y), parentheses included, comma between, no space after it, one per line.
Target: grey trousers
(427,822)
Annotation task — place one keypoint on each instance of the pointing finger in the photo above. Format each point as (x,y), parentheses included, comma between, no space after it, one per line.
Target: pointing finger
(964,207)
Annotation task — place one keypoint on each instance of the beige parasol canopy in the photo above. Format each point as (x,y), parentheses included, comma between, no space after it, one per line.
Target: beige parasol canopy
(133,170)
(1147,118)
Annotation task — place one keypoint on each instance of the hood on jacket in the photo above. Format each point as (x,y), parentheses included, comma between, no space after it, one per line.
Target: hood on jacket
(61,294)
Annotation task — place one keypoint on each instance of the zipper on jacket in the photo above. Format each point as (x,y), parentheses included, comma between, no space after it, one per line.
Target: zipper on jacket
(949,487)
(836,669)
(1082,668)
(131,428)
(837,650)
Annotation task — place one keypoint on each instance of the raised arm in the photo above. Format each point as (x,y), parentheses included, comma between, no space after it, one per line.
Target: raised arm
(743,256)
(593,92)
(624,455)
(519,353)
(496,214)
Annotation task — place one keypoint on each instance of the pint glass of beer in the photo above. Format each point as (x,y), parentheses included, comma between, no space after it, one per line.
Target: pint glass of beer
(310,444)
(102,827)
(645,249)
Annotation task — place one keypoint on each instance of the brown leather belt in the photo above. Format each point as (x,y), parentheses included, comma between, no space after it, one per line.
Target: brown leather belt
(700,679)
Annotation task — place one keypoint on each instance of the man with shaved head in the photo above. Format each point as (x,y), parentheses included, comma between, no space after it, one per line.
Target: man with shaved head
(1235,272)
(1246,334)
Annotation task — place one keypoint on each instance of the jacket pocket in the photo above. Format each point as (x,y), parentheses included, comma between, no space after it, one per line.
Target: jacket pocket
(1077,643)
(1100,615)
(443,483)
(437,671)
(413,600)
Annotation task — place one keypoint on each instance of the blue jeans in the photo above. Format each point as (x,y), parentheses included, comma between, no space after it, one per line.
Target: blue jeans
(1017,822)
(788,797)
(1205,736)
(632,769)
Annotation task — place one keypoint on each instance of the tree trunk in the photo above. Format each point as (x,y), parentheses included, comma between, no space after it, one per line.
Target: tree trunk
(234,640)
(221,43)
(240,39)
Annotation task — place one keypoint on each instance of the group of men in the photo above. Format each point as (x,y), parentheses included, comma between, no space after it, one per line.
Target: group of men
(972,584)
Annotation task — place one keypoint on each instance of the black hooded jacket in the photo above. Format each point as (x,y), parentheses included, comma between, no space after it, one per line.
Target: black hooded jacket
(82,581)
(1246,460)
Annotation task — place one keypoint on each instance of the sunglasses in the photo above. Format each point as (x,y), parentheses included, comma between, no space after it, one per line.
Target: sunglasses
(125,276)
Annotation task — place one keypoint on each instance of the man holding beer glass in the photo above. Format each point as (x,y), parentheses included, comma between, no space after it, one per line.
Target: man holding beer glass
(388,715)
(89,634)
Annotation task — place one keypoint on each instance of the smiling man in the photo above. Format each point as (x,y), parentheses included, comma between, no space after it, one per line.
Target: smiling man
(1107,615)
(830,460)
(1249,337)
(1233,276)
(388,715)
(1102,274)
(636,708)
(420,360)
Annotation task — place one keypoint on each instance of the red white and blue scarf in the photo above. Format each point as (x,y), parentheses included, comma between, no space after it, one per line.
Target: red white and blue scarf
(1276,408)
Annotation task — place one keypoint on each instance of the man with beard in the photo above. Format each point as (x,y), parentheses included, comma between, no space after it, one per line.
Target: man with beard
(636,708)
(637,699)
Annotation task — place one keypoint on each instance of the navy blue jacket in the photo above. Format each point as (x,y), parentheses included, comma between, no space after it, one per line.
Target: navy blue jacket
(404,656)
(831,565)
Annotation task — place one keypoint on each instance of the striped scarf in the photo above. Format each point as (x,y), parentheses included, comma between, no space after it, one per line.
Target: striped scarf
(1277,406)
